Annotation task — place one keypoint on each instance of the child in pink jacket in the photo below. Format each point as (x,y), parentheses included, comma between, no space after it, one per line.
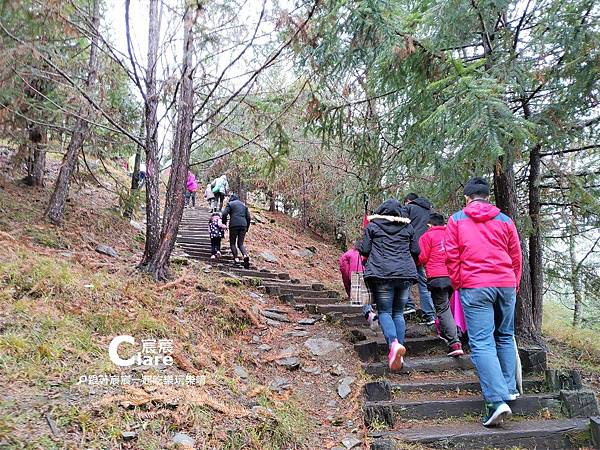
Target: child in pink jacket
(192,187)
(352,261)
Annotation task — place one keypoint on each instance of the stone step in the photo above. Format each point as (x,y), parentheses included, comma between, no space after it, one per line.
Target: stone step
(260,274)
(206,254)
(530,434)
(201,248)
(314,300)
(422,364)
(385,390)
(198,244)
(390,411)
(332,295)
(339,308)
(372,350)
(288,284)
(194,237)
(364,333)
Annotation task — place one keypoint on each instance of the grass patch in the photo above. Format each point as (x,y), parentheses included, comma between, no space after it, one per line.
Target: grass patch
(579,346)
(46,237)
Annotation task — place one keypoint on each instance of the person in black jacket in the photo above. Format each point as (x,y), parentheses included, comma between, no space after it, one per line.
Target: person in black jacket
(391,248)
(238,216)
(419,209)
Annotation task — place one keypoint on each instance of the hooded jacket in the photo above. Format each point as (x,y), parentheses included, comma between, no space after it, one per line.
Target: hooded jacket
(208,193)
(351,261)
(220,185)
(240,215)
(191,184)
(482,248)
(433,252)
(389,244)
(418,213)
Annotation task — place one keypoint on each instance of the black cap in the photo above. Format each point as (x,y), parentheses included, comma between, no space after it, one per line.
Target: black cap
(477,186)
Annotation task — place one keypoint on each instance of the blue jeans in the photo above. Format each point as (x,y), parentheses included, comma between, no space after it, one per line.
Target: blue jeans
(425,299)
(490,313)
(391,297)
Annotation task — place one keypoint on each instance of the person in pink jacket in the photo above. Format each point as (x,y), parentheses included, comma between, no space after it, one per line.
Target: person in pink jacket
(191,188)
(433,258)
(352,261)
(483,255)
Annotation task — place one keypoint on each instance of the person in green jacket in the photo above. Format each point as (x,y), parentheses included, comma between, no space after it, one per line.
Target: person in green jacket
(220,188)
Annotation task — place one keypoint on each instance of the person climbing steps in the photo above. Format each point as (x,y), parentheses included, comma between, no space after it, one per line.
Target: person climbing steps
(390,247)
(238,216)
(433,258)
(216,230)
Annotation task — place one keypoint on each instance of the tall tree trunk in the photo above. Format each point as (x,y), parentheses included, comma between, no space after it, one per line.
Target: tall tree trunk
(37,156)
(536,266)
(574,280)
(271,197)
(158,265)
(56,205)
(135,175)
(38,163)
(151,120)
(505,190)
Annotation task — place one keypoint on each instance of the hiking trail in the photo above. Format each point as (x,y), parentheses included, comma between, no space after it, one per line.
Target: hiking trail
(435,400)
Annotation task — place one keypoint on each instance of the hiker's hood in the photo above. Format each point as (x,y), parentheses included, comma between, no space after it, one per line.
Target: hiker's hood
(391,207)
(481,211)
(233,198)
(422,202)
(391,216)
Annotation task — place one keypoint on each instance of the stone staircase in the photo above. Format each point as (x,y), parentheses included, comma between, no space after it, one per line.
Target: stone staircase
(194,241)
(434,401)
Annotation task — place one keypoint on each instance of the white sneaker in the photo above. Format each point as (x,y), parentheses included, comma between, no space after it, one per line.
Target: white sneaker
(496,414)
(372,319)
(396,356)
(512,397)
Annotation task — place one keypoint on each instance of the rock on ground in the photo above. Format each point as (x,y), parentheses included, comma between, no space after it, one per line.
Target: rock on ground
(106,250)
(321,346)
(269,257)
(183,439)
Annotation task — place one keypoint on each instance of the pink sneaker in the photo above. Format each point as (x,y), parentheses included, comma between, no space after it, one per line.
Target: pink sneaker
(396,356)
(456,350)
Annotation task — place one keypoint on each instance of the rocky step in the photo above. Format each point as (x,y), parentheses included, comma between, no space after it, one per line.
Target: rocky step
(260,274)
(530,434)
(202,246)
(341,308)
(193,237)
(198,244)
(290,284)
(422,364)
(384,390)
(390,411)
(206,254)
(314,300)
(331,295)
(372,350)
(357,321)
(364,333)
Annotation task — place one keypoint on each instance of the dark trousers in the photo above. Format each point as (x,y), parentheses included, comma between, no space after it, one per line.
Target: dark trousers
(236,240)
(215,245)
(218,201)
(441,292)
(190,195)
